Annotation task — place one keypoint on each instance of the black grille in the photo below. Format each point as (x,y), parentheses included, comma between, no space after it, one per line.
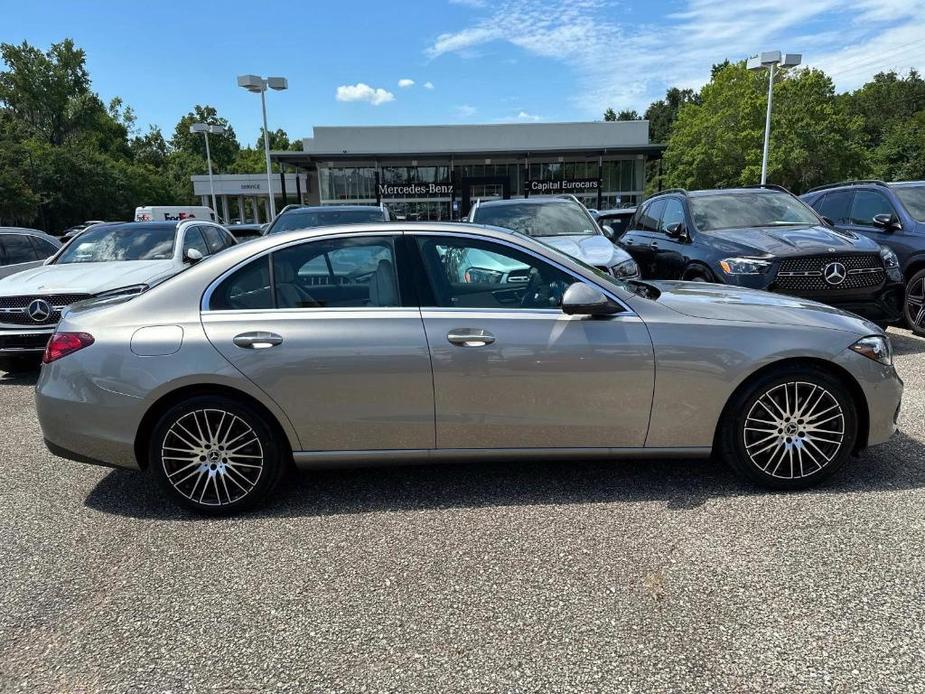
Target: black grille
(24,342)
(807,274)
(13,309)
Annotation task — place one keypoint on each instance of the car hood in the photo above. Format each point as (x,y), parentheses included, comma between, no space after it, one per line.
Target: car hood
(723,302)
(801,240)
(593,249)
(87,278)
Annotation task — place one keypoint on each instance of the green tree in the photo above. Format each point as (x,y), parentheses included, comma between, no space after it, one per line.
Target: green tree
(224,148)
(625,114)
(661,114)
(900,156)
(718,141)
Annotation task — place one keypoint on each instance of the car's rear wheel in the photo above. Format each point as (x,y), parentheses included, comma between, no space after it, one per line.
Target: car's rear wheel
(790,429)
(914,307)
(215,455)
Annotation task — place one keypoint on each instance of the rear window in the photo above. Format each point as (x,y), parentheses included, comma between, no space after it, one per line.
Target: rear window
(307,219)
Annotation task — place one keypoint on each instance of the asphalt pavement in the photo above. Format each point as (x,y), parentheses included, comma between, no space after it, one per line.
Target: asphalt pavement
(526,577)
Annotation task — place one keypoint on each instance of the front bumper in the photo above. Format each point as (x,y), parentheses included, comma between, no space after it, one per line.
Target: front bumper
(881,305)
(883,392)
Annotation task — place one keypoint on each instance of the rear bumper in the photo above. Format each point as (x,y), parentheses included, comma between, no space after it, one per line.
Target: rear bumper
(24,342)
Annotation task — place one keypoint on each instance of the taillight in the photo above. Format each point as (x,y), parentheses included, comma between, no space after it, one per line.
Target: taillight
(62,344)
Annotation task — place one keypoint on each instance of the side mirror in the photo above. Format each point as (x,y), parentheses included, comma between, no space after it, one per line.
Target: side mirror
(609,232)
(192,256)
(582,299)
(676,231)
(887,222)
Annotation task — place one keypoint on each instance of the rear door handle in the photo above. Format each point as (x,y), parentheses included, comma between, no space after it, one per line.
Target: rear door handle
(257,340)
(470,337)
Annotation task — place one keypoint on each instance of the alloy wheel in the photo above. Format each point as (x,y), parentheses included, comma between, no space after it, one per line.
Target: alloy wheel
(915,303)
(212,457)
(794,430)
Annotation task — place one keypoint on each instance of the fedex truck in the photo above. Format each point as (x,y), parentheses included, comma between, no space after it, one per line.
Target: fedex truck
(172,213)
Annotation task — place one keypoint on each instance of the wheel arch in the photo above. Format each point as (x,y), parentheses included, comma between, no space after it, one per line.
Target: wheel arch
(916,264)
(168,400)
(698,267)
(839,372)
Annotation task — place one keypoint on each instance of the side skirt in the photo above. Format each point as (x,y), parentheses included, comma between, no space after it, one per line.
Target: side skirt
(319,460)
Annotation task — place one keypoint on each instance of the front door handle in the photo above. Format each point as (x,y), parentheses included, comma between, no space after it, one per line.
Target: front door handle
(654,244)
(470,337)
(257,340)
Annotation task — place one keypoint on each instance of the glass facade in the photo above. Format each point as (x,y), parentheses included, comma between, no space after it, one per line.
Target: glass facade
(621,182)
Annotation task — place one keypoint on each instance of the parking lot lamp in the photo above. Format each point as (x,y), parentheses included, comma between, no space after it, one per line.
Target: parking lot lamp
(205,130)
(770,60)
(256,84)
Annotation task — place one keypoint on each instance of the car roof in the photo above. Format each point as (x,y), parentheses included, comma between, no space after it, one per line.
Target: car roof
(616,211)
(532,200)
(166,226)
(326,208)
(23,230)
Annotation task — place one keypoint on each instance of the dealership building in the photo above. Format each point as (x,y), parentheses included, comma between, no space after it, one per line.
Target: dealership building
(436,172)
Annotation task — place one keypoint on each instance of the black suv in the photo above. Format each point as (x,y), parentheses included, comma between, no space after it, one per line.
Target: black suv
(763,238)
(892,214)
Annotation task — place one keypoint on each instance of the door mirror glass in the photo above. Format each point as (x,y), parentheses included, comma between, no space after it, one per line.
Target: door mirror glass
(885,221)
(608,231)
(581,299)
(192,256)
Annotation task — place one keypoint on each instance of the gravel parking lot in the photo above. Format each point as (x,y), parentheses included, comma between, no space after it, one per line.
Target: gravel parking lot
(496,577)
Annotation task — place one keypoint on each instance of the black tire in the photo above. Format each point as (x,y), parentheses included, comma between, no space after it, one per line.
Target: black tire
(20,364)
(242,473)
(698,274)
(746,449)
(914,303)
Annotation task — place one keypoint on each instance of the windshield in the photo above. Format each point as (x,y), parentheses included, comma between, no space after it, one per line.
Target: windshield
(537,219)
(136,242)
(602,276)
(913,199)
(306,219)
(745,210)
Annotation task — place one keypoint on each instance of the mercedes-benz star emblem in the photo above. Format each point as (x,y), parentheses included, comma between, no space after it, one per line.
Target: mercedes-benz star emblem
(834,273)
(39,310)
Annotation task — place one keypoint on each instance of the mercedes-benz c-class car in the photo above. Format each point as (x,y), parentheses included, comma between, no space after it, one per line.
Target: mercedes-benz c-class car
(103,260)
(363,344)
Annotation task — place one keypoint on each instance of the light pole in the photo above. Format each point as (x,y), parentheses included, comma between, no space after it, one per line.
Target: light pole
(257,84)
(770,60)
(205,130)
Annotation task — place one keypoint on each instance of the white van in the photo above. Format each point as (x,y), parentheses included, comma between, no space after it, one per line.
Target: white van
(173,213)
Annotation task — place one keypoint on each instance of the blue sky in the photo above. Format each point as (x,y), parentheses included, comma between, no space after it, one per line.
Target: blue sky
(471,61)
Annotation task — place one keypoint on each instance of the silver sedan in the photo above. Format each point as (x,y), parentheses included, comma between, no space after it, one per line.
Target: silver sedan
(384,344)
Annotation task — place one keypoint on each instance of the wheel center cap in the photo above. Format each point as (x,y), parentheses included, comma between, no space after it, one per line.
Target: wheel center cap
(215,456)
(791,429)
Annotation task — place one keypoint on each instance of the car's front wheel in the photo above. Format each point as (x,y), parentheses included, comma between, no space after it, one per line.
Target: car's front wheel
(215,455)
(790,429)
(915,303)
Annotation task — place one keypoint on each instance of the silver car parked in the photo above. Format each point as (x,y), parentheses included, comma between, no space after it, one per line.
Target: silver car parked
(363,344)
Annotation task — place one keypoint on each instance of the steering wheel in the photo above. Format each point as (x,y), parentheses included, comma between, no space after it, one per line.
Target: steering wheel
(533,294)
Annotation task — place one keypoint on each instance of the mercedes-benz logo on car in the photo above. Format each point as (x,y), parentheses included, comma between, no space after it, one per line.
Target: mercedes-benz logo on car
(39,310)
(834,273)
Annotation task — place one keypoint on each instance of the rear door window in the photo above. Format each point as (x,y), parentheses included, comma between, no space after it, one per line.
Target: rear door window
(17,249)
(835,206)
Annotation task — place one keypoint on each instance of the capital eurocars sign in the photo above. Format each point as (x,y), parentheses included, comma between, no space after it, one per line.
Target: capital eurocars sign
(414,190)
(575,186)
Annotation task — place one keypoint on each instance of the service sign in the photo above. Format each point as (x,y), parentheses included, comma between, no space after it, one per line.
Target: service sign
(574,186)
(415,190)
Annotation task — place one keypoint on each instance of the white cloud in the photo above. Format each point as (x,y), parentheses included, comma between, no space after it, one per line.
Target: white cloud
(523,115)
(465,111)
(627,65)
(363,92)
(404,83)
(428,85)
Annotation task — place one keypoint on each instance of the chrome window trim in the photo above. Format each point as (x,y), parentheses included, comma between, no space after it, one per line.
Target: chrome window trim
(210,289)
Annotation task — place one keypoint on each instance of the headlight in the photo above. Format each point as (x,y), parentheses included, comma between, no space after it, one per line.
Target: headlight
(130,290)
(744,266)
(889,257)
(625,270)
(876,347)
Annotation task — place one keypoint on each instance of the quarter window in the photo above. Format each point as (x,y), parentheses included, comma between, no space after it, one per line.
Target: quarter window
(868,204)
(246,288)
(337,273)
(469,273)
